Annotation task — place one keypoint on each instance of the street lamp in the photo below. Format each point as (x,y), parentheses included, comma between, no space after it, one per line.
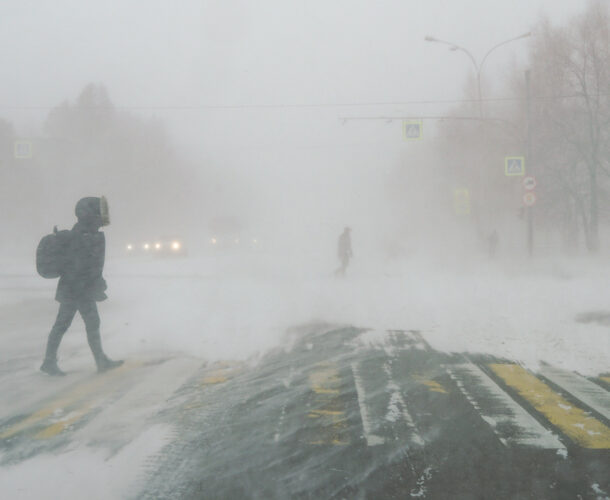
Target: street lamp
(477,66)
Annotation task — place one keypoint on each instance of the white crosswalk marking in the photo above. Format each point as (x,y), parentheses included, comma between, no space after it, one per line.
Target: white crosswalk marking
(397,408)
(586,391)
(508,420)
(390,341)
(371,439)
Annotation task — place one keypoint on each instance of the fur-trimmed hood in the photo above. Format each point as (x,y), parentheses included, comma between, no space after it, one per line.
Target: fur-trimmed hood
(92,212)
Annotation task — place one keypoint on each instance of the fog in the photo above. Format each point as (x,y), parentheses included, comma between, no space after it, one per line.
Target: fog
(254,133)
(465,143)
(253,99)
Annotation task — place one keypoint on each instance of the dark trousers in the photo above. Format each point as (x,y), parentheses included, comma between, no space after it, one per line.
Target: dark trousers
(67,311)
(343,268)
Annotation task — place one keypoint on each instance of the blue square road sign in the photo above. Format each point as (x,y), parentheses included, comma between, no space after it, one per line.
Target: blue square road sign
(514,165)
(412,129)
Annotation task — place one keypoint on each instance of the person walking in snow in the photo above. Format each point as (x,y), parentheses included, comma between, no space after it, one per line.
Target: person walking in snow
(344,250)
(493,240)
(81,284)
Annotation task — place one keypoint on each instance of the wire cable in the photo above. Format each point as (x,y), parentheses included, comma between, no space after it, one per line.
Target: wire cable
(300,105)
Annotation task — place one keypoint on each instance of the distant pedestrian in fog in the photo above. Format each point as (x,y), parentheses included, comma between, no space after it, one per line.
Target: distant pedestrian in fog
(493,241)
(81,284)
(344,251)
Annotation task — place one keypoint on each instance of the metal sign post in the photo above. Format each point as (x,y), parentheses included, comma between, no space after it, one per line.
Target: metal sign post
(530,209)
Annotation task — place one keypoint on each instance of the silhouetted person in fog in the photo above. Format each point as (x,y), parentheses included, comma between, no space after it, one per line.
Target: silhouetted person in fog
(81,284)
(493,241)
(344,250)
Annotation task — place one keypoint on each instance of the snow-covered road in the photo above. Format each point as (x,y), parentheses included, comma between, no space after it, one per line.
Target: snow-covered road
(92,435)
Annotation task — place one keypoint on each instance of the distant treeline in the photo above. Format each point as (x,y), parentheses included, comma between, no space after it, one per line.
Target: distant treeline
(90,147)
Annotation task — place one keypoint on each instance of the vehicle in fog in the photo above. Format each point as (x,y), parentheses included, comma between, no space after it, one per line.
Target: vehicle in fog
(160,247)
(234,242)
(228,234)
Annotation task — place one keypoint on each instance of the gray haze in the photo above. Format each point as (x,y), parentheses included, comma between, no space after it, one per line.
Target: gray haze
(218,74)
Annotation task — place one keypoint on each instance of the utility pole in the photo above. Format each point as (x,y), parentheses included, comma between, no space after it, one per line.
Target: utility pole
(529,163)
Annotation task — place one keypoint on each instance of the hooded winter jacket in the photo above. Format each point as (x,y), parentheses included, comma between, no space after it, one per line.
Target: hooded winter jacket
(81,278)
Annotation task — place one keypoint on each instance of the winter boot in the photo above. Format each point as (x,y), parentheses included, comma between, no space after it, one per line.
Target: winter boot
(106,364)
(103,362)
(50,367)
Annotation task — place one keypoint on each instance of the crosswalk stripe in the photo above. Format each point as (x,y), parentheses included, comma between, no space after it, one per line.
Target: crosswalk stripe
(414,340)
(81,392)
(58,427)
(287,383)
(586,391)
(324,381)
(221,372)
(371,439)
(432,385)
(213,379)
(585,430)
(392,341)
(508,420)
(397,408)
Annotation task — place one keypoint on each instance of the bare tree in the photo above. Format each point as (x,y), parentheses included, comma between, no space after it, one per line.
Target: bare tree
(571,79)
(570,133)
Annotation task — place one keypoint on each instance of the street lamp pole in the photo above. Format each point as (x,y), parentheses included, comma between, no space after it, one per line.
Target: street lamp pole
(477,66)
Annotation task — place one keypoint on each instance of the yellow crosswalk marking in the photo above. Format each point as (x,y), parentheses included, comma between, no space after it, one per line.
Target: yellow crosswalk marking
(58,427)
(213,379)
(320,413)
(582,428)
(222,371)
(432,385)
(77,394)
(319,390)
(329,412)
(324,379)
(334,442)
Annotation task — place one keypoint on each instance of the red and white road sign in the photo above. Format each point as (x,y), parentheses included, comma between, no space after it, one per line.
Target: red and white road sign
(529,183)
(529,199)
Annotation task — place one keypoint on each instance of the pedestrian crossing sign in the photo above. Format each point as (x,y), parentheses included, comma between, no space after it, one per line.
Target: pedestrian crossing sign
(413,129)
(514,166)
(22,150)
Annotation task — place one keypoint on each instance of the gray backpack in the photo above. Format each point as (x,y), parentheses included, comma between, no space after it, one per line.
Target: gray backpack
(51,253)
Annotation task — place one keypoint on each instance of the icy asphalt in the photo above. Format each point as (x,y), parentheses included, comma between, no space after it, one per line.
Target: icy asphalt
(337,417)
(324,410)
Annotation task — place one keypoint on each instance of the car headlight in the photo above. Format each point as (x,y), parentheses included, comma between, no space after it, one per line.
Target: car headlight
(214,241)
(176,245)
(129,247)
(146,246)
(157,246)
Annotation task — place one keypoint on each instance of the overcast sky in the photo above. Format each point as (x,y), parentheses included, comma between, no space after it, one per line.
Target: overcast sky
(196,52)
(188,54)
